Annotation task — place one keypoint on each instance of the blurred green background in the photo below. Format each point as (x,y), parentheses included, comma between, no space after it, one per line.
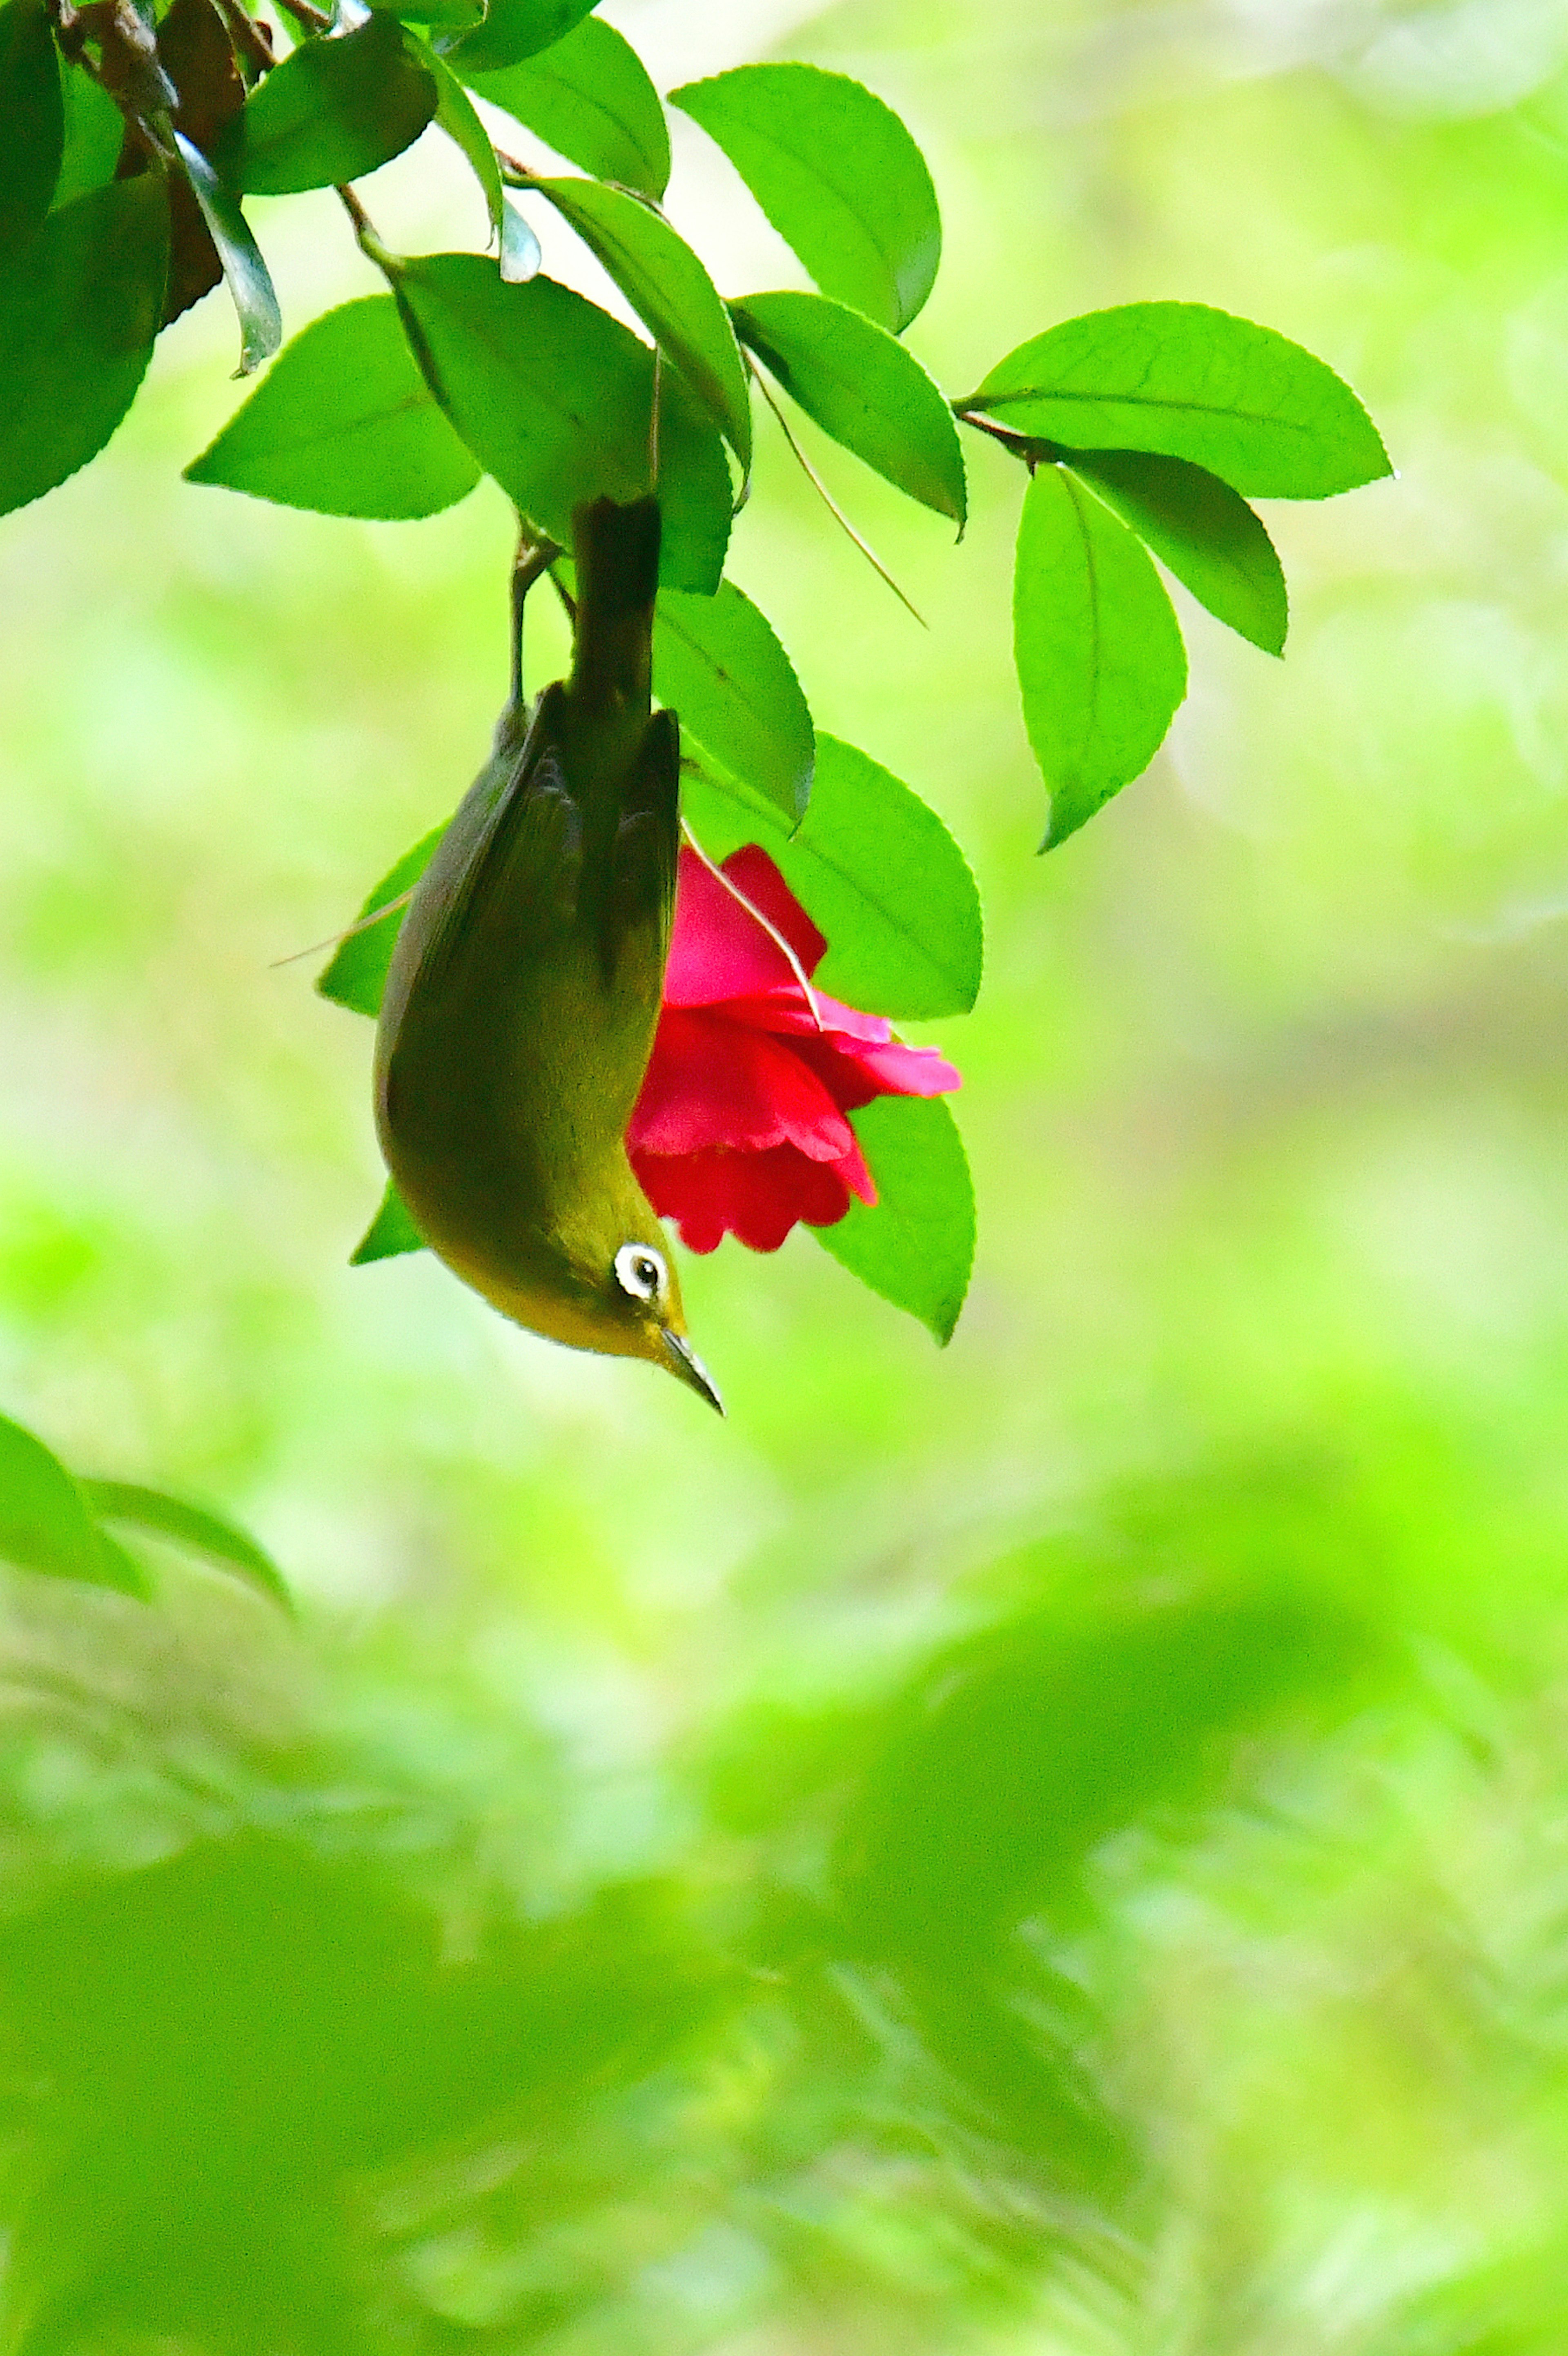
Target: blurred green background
(1059,1845)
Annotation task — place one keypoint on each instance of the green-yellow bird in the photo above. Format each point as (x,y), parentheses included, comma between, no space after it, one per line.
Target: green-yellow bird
(520,1005)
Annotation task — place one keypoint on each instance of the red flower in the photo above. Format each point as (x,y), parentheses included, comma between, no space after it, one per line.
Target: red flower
(741,1125)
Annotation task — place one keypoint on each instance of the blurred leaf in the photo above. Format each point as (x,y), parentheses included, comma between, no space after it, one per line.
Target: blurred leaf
(513,29)
(32,119)
(1100,663)
(1203,529)
(863,387)
(79,308)
(519,253)
(879,873)
(717,662)
(94,134)
(917,1247)
(454,113)
(44,1523)
(670,292)
(555,400)
(260,322)
(390,1232)
(338,106)
(358,972)
(838,175)
(589,98)
(1193,383)
(196,52)
(190,1526)
(343,424)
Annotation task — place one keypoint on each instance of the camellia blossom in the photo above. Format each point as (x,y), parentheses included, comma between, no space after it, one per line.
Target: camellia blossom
(742,1127)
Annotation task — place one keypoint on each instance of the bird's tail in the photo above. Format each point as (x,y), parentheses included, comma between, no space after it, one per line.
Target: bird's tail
(615,551)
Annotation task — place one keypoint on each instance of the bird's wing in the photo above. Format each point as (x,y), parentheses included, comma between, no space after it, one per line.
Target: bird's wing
(516,858)
(639,904)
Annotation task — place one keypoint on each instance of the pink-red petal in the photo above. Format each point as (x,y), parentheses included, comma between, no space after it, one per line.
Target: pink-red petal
(719,950)
(714,1083)
(757,1198)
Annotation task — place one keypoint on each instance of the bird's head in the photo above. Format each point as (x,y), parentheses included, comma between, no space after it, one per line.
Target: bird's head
(598,1278)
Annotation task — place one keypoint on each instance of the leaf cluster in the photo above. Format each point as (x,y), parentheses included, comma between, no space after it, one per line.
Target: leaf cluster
(1140,434)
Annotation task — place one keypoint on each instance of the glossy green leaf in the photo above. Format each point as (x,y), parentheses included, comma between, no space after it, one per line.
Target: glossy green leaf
(45,1523)
(555,400)
(345,424)
(79,308)
(916,1247)
(670,292)
(838,175)
(718,662)
(32,119)
(447,15)
(1203,530)
(863,387)
(357,974)
(589,98)
(454,113)
(514,29)
(94,134)
(245,274)
(390,1232)
(877,872)
(1194,383)
(189,1526)
(338,107)
(1101,662)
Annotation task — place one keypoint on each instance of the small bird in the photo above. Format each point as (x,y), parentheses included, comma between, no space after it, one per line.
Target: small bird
(520,1008)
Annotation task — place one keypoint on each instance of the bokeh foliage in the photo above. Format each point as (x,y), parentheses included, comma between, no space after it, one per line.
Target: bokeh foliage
(1055,1845)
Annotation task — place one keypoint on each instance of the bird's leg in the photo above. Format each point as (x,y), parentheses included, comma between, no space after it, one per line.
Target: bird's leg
(534,558)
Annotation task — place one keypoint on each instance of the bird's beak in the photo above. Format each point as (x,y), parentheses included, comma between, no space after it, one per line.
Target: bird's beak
(685,1362)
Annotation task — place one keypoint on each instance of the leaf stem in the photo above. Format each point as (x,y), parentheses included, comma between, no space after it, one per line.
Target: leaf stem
(305,13)
(1026,447)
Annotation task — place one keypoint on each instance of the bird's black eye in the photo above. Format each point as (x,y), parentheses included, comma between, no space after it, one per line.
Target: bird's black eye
(639,1271)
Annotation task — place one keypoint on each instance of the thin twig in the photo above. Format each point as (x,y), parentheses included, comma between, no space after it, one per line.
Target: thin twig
(245,33)
(831,505)
(361,925)
(533,557)
(774,934)
(363,226)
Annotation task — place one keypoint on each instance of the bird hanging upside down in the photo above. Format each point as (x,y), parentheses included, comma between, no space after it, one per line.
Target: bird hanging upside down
(520,1006)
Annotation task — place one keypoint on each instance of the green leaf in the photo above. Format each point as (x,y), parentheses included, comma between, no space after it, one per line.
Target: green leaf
(1203,530)
(338,107)
(343,424)
(94,134)
(717,661)
(670,292)
(44,1523)
(1101,662)
(838,175)
(877,872)
(32,119)
(513,29)
(555,399)
(1193,383)
(190,1526)
(917,1247)
(390,1232)
(80,306)
(589,98)
(454,113)
(357,974)
(246,274)
(863,387)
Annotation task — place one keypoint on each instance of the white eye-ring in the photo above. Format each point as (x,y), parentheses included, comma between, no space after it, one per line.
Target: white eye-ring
(641,1271)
